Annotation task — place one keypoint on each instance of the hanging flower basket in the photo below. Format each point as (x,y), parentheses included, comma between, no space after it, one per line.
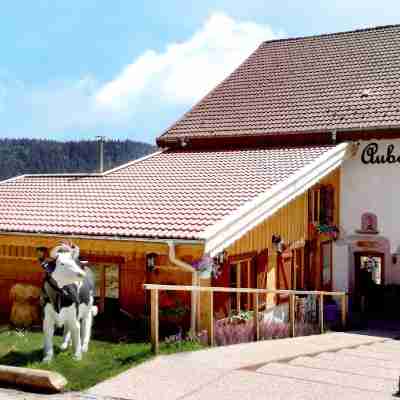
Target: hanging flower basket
(206,274)
(331,231)
(207,267)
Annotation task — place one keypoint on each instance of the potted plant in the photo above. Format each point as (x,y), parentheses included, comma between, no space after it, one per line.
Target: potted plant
(206,267)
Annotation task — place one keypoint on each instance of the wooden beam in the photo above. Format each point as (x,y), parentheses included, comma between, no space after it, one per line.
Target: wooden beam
(102,245)
(96,258)
(248,284)
(292,315)
(19,258)
(256,317)
(241,257)
(321,312)
(149,286)
(211,320)
(238,286)
(154,323)
(344,310)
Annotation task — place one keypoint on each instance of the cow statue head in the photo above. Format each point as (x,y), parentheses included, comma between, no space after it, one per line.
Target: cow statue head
(63,264)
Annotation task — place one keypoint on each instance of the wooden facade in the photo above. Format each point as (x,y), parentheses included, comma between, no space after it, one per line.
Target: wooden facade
(19,264)
(252,260)
(298,267)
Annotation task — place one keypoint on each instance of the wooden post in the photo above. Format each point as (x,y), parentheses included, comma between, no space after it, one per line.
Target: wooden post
(321,312)
(155,345)
(256,317)
(292,315)
(344,311)
(211,320)
(238,285)
(194,301)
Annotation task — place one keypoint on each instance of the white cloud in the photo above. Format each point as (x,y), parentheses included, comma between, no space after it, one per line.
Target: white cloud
(185,71)
(142,99)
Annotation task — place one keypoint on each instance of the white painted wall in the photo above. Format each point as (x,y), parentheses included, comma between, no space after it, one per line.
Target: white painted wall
(370,188)
(373,188)
(340,269)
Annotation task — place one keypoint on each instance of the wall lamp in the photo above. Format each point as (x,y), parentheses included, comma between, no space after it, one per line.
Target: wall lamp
(151,261)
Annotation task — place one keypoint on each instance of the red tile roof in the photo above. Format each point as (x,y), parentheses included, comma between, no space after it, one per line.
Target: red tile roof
(347,80)
(171,194)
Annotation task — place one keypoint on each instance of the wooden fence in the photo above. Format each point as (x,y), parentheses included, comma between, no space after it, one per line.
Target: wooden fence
(154,302)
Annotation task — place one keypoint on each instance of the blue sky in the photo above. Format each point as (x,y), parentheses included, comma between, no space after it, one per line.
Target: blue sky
(128,69)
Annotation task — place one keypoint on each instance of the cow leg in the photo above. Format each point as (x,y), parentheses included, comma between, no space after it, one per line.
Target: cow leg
(48,330)
(67,338)
(76,339)
(86,331)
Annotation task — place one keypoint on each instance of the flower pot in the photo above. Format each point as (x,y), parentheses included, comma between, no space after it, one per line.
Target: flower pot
(206,274)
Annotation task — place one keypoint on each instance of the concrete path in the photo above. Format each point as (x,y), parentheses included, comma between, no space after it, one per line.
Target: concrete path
(345,365)
(352,366)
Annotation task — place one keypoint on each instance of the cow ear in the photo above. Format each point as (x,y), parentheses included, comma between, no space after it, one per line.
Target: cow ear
(49,265)
(75,251)
(42,253)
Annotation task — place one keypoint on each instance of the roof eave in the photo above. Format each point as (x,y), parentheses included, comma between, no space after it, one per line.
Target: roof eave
(176,240)
(221,235)
(280,138)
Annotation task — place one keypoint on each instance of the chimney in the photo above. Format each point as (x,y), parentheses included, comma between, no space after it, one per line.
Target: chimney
(100,153)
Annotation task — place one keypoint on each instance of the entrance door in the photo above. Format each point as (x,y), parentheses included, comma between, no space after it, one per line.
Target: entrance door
(369,278)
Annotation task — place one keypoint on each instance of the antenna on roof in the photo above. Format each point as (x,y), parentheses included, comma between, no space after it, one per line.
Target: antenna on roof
(100,153)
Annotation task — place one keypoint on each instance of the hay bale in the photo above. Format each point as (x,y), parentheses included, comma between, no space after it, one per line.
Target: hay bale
(25,309)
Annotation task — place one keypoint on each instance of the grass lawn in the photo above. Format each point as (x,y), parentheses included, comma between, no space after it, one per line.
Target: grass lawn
(104,359)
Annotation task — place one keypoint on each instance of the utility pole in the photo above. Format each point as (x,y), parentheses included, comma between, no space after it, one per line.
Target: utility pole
(100,153)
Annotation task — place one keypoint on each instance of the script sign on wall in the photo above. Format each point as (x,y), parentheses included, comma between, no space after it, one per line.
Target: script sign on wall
(373,153)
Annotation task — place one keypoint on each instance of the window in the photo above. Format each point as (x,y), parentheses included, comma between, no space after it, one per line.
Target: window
(322,204)
(372,267)
(326,204)
(106,281)
(242,275)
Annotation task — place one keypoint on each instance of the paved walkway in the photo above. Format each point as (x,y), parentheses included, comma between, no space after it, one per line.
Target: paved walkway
(352,366)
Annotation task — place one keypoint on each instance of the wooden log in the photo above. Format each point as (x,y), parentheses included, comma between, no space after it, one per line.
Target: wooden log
(33,379)
(154,321)
(321,312)
(292,315)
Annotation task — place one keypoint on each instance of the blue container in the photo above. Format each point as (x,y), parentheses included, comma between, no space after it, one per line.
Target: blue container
(331,312)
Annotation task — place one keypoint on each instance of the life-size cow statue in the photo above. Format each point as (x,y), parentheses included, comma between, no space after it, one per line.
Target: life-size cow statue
(67,300)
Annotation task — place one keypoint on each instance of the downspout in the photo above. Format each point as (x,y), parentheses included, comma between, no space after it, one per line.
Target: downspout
(195,281)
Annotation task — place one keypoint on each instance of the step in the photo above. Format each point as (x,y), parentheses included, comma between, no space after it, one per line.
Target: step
(356,359)
(385,347)
(257,386)
(365,352)
(343,365)
(340,379)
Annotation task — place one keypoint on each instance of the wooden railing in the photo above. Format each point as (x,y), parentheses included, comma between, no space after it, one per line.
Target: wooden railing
(154,316)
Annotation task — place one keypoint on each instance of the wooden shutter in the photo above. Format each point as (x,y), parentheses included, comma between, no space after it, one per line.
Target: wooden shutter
(285,273)
(262,272)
